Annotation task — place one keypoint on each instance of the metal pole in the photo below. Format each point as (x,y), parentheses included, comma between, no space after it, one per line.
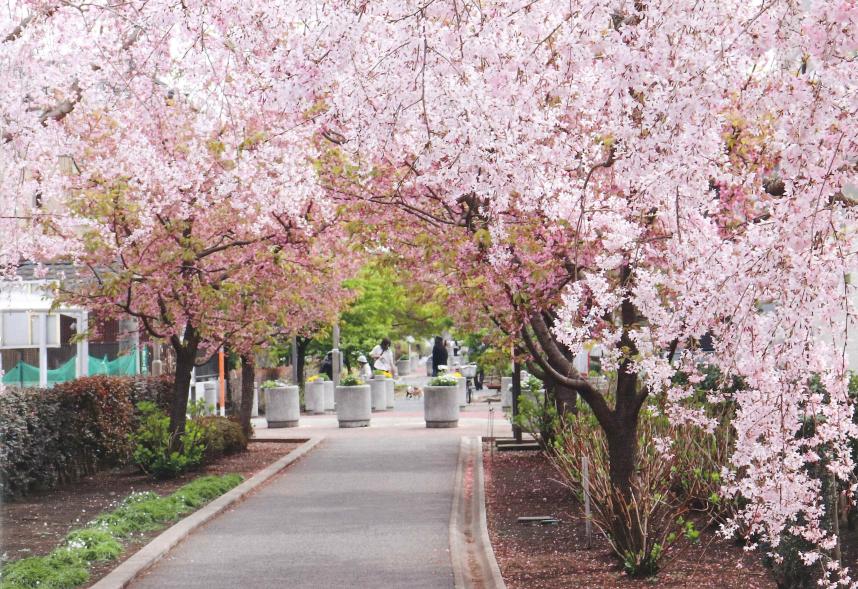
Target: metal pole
(335,354)
(516,391)
(83,327)
(136,348)
(221,381)
(43,349)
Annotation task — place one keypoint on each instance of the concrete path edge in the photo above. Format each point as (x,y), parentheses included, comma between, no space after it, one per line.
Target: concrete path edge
(151,553)
(471,553)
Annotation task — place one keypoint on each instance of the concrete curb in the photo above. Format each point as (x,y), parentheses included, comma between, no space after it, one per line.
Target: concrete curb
(146,557)
(471,553)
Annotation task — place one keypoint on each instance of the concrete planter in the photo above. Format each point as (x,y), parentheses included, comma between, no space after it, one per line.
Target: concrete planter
(282,406)
(403,367)
(390,389)
(329,395)
(254,412)
(462,386)
(506,391)
(354,405)
(378,389)
(314,397)
(441,406)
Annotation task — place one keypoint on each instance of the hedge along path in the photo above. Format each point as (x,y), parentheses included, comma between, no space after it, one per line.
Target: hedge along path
(101,540)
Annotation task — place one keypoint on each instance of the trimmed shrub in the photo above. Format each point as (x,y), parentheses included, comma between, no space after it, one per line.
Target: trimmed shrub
(222,436)
(57,435)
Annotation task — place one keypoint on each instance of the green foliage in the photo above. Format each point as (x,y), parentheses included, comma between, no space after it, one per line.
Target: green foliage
(57,435)
(491,359)
(221,436)
(384,307)
(93,544)
(269,384)
(350,380)
(68,565)
(537,413)
(643,522)
(444,380)
(62,569)
(155,449)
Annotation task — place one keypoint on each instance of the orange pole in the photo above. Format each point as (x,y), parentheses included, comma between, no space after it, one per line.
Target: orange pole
(221,382)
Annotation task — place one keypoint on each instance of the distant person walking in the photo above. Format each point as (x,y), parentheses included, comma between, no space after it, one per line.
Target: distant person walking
(439,355)
(382,357)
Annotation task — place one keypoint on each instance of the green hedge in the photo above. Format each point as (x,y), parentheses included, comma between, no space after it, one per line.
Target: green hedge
(53,436)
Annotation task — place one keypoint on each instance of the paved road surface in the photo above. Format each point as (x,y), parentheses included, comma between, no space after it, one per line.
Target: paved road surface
(369,507)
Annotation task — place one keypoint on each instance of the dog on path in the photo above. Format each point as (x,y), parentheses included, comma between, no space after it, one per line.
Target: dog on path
(413,393)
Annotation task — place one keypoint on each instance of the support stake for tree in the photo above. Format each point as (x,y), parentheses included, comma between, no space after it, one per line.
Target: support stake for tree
(585,479)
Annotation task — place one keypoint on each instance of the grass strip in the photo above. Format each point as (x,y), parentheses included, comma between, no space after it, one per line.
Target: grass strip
(68,565)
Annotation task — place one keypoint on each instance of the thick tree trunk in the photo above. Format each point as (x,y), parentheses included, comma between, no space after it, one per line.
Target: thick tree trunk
(622,453)
(248,380)
(303,344)
(186,355)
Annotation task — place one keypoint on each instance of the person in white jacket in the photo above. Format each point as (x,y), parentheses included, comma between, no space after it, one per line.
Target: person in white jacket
(364,370)
(382,357)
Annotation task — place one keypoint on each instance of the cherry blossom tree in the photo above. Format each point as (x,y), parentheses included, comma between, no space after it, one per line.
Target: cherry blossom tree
(694,159)
(628,173)
(186,132)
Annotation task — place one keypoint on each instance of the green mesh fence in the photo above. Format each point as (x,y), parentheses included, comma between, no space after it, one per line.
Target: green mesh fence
(28,375)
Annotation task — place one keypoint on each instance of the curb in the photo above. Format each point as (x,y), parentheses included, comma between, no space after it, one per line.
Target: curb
(146,557)
(473,559)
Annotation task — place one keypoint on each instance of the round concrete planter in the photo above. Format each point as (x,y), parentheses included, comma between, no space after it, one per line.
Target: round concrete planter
(378,387)
(354,405)
(329,395)
(314,397)
(282,406)
(390,390)
(506,391)
(462,386)
(441,406)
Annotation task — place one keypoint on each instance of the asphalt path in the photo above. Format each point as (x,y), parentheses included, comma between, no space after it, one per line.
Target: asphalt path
(369,507)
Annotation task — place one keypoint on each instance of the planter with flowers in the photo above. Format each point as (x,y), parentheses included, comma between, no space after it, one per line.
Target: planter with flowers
(441,402)
(282,404)
(314,395)
(389,387)
(354,402)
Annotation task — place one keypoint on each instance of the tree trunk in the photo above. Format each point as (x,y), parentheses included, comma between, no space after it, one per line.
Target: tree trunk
(186,355)
(565,399)
(622,454)
(303,344)
(248,380)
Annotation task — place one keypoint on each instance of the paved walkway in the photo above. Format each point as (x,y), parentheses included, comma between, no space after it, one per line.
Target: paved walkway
(369,507)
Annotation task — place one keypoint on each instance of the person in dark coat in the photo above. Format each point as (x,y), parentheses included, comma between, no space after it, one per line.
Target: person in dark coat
(439,355)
